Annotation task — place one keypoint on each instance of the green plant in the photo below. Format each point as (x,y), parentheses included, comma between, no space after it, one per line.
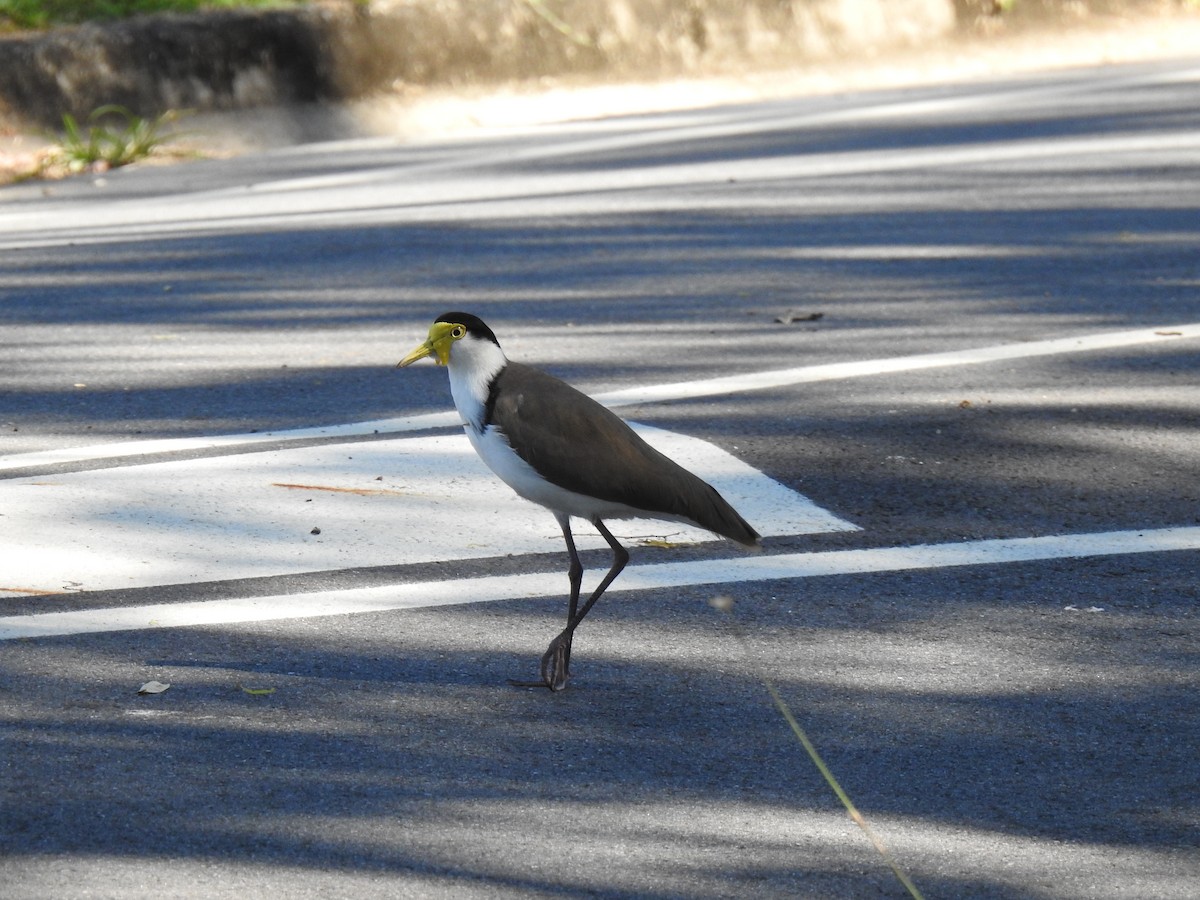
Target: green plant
(113,137)
(45,13)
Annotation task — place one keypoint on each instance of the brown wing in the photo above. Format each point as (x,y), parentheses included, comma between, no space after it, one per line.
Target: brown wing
(577,444)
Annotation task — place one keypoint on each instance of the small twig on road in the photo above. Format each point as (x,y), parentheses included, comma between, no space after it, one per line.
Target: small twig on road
(725,605)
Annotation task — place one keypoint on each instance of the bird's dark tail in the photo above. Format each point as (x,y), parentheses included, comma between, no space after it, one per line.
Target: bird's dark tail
(708,509)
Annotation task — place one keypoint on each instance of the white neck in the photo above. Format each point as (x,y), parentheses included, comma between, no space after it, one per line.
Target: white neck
(473,365)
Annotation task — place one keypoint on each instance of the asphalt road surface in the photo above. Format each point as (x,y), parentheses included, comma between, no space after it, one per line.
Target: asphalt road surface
(941,345)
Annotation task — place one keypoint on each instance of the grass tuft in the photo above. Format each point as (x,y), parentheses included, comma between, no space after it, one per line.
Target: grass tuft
(112,137)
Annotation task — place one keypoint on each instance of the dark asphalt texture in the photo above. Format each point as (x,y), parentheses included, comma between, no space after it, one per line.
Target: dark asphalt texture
(1012,730)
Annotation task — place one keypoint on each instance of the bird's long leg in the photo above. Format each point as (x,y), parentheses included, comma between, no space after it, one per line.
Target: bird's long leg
(557,658)
(556,661)
(620,558)
(575,570)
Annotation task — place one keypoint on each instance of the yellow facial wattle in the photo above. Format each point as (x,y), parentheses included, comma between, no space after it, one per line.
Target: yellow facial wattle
(441,336)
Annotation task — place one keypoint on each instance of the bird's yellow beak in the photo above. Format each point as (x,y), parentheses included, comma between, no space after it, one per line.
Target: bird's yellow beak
(441,336)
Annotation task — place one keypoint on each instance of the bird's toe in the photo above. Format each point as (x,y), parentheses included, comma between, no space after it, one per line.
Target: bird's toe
(556,663)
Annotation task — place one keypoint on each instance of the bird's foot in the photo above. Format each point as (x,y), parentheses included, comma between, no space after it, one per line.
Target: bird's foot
(556,663)
(554,666)
(517,682)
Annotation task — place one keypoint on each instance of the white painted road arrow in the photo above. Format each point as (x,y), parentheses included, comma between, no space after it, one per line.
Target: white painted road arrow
(307,509)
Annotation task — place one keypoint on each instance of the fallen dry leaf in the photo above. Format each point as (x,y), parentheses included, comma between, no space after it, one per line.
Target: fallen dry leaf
(153,687)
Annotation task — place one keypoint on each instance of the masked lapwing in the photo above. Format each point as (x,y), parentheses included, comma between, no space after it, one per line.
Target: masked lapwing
(561,449)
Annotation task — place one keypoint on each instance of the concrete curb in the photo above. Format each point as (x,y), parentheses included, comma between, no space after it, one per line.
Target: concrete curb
(340,51)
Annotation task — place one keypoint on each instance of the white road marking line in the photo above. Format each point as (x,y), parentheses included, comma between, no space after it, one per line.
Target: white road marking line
(709,387)
(397,195)
(98,452)
(757,381)
(663,575)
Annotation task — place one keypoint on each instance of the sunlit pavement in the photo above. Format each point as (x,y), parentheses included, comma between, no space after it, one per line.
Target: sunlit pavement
(941,342)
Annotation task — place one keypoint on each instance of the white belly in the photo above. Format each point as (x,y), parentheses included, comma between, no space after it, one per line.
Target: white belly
(493,448)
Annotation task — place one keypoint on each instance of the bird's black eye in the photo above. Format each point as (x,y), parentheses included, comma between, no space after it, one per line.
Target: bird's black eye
(458,331)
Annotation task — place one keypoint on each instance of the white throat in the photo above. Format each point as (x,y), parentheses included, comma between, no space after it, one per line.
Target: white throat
(474,362)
